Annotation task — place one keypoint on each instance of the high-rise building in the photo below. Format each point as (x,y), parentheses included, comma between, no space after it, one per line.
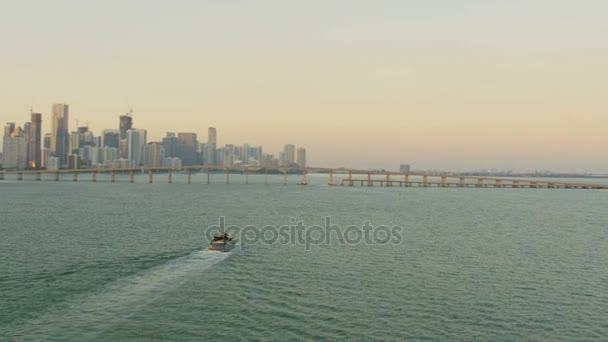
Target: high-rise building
(153,154)
(255,153)
(109,155)
(170,145)
(47,140)
(290,154)
(75,143)
(404,168)
(126,123)
(26,134)
(8,130)
(60,136)
(187,145)
(136,139)
(15,149)
(301,157)
(111,138)
(211,147)
(34,147)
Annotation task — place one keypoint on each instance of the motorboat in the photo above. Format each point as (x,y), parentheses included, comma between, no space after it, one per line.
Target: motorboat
(222,242)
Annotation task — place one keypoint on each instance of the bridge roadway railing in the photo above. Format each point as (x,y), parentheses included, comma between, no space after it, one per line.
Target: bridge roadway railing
(387,178)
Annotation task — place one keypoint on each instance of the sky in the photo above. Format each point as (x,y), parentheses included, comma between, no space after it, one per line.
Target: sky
(438,84)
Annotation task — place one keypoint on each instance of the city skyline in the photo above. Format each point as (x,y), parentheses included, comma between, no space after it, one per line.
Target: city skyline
(442,85)
(127,146)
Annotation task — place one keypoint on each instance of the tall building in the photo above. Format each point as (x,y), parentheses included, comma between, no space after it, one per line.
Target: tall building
(60,136)
(404,168)
(8,130)
(211,147)
(26,134)
(290,154)
(15,149)
(75,142)
(187,145)
(170,145)
(136,139)
(34,143)
(46,151)
(111,138)
(301,157)
(153,154)
(255,153)
(126,123)
(109,154)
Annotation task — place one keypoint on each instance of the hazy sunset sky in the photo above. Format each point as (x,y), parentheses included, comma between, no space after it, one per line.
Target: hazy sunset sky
(440,84)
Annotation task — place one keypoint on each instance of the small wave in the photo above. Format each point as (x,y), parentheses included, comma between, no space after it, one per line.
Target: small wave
(97,312)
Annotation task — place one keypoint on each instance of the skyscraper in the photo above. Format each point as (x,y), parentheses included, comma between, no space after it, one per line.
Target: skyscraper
(301,157)
(170,145)
(211,147)
(126,123)
(60,137)
(8,130)
(153,154)
(111,138)
(26,134)
(136,139)
(187,144)
(290,154)
(35,139)
(15,149)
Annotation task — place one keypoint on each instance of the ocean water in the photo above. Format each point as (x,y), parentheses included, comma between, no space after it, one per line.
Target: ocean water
(100,261)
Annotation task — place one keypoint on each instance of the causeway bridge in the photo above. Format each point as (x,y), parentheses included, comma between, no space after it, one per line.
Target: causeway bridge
(347,177)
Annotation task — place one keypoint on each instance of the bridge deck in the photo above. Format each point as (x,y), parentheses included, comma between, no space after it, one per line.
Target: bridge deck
(408,180)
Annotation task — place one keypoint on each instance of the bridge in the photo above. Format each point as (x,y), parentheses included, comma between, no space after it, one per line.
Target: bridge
(370,178)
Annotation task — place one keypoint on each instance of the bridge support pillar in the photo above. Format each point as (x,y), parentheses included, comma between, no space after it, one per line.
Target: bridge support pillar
(350,178)
(75,177)
(150,176)
(94,177)
(479,182)
(170,176)
(38,176)
(189,176)
(515,184)
(2,175)
(461,182)
(425,181)
(388,180)
(331,179)
(369,179)
(497,183)
(304,179)
(131,176)
(20,176)
(406,180)
(113,176)
(208,174)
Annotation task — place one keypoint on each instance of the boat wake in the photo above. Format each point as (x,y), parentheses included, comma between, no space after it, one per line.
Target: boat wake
(97,312)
